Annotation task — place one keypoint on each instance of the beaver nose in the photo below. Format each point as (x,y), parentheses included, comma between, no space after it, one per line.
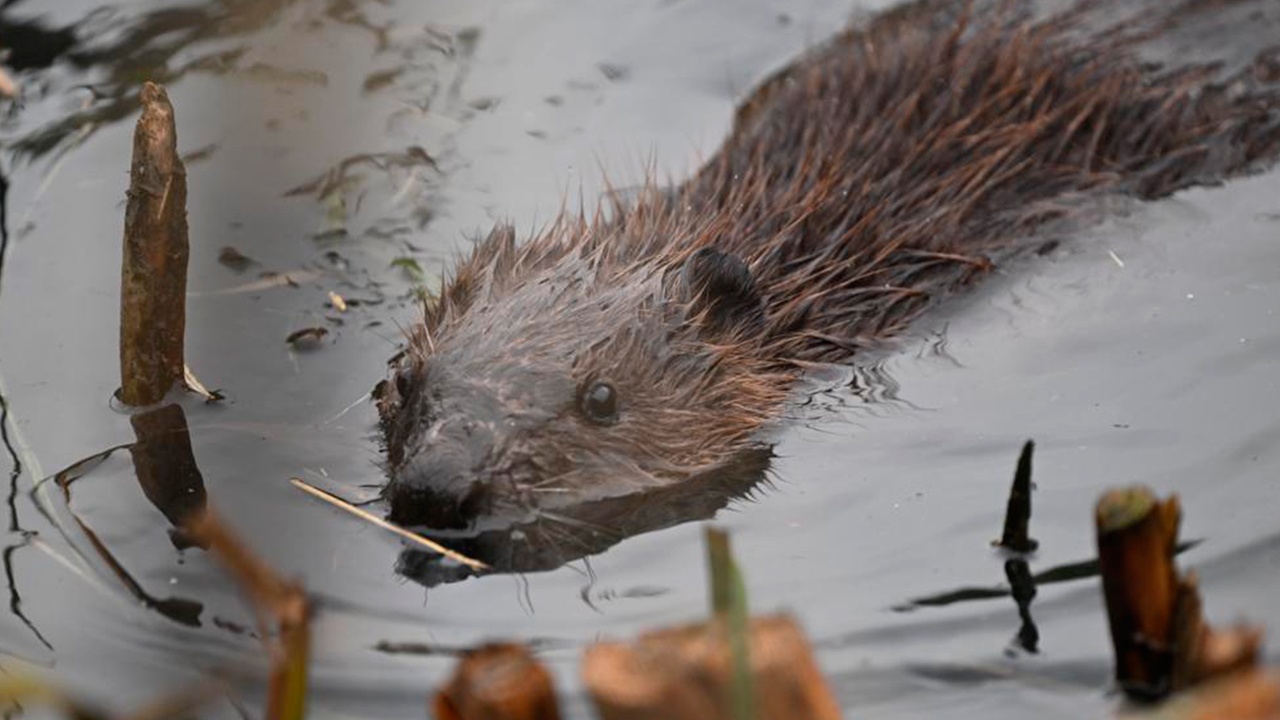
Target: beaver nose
(438,485)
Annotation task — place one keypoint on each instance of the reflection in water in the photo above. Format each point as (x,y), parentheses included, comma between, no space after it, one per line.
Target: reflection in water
(29,44)
(167,472)
(1057,574)
(874,385)
(552,539)
(20,537)
(1023,589)
(4,240)
(166,467)
(15,597)
(15,465)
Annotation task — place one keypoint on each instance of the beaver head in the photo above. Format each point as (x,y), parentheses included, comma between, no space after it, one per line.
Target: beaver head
(540,378)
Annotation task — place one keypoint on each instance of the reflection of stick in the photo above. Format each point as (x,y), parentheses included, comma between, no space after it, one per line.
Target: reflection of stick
(1161,641)
(427,543)
(166,466)
(153,282)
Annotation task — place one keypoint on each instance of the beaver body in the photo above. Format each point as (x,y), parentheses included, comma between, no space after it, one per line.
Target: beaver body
(899,162)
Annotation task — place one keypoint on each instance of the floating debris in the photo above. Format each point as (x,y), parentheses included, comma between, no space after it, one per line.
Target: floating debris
(410,267)
(308,338)
(235,259)
(337,301)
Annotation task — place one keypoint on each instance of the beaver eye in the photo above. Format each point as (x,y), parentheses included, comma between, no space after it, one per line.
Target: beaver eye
(599,402)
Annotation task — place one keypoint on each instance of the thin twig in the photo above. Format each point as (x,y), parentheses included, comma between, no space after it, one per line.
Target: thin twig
(391,527)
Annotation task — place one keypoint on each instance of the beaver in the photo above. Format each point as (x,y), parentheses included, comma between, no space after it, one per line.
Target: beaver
(655,340)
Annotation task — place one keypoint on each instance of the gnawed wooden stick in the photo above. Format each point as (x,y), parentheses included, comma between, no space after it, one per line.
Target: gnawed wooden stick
(1158,631)
(153,281)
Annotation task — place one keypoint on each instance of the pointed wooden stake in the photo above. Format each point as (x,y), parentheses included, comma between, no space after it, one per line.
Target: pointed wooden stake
(153,282)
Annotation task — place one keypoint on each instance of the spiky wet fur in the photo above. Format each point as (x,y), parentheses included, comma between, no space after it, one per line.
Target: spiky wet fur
(886,169)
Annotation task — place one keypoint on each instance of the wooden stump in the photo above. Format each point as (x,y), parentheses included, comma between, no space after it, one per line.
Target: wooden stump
(1136,540)
(1158,631)
(498,682)
(686,674)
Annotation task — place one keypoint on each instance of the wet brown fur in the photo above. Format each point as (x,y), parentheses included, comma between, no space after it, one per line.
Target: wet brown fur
(888,168)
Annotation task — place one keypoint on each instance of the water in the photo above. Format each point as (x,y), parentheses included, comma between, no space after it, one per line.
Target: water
(1143,350)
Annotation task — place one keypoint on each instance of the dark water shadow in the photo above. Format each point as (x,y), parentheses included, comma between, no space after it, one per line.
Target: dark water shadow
(1021,585)
(21,538)
(1080,570)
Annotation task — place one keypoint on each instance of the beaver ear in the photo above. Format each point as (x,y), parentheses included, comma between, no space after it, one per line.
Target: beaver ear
(722,293)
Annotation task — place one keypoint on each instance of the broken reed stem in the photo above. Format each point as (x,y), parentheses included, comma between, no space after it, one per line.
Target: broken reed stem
(153,282)
(285,602)
(1161,640)
(502,680)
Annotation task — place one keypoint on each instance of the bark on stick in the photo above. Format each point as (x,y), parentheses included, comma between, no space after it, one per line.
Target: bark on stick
(1137,535)
(153,283)
(1161,640)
